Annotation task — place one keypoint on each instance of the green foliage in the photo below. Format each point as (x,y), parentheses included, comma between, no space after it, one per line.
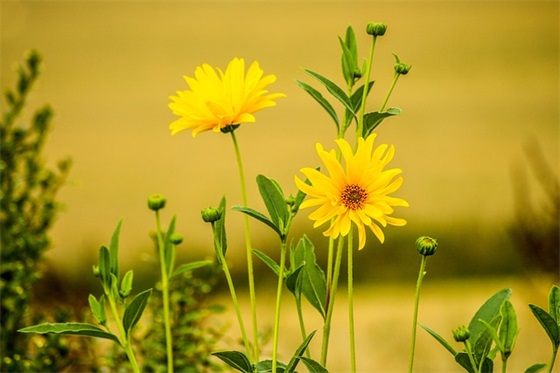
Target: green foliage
(27,211)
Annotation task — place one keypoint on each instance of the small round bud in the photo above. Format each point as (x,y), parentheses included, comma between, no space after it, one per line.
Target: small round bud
(400,67)
(156,202)
(376,28)
(426,246)
(96,271)
(176,238)
(211,215)
(461,334)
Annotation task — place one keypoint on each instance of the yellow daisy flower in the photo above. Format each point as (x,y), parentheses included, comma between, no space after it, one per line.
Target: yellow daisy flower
(219,99)
(358,194)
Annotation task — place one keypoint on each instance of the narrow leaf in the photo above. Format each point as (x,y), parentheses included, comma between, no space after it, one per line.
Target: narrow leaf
(440,339)
(259,216)
(554,303)
(313,366)
(535,368)
(268,261)
(335,90)
(321,100)
(70,328)
(548,323)
(487,312)
(290,368)
(126,284)
(190,266)
(274,200)
(374,119)
(236,360)
(168,247)
(97,309)
(483,343)
(219,230)
(134,310)
(312,280)
(105,267)
(114,250)
(508,327)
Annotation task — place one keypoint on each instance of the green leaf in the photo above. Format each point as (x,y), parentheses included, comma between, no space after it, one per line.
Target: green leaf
(275,202)
(349,56)
(259,216)
(535,368)
(168,247)
(440,339)
(190,266)
(219,232)
(72,328)
(374,119)
(105,267)
(313,366)
(134,310)
(321,100)
(548,323)
(98,308)
(268,261)
(483,344)
(265,366)
(311,279)
(126,284)
(463,359)
(508,328)
(554,303)
(114,250)
(335,90)
(236,360)
(291,367)
(487,312)
(292,280)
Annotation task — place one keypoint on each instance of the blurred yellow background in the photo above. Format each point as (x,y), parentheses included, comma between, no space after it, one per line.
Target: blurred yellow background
(484,83)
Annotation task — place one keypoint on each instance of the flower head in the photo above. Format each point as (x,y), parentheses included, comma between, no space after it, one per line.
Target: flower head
(218,99)
(358,193)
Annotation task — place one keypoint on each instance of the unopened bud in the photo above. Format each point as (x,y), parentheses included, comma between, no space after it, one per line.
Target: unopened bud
(211,215)
(176,238)
(400,67)
(376,28)
(156,202)
(426,246)
(461,334)
(96,271)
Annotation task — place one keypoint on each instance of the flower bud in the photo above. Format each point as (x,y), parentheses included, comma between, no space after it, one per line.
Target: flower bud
(461,334)
(426,246)
(400,67)
(211,215)
(156,202)
(176,238)
(376,28)
(96,271)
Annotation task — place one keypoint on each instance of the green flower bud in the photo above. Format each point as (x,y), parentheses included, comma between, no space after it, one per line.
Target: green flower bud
(376,28)
(156,202)
(400,67)
(461,334)
(95,270)
(211,215)
(426,246)
(176,238)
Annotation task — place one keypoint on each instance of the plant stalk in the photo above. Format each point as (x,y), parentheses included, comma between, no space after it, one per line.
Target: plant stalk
(351,302)
(278,300)
(421,275)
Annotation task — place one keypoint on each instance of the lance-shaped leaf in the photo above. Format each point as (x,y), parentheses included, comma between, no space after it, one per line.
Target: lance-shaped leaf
(554,303)
(126,284)
(487,312)
(187,267)
(134,310)
(268,261)
(440,339)
(535,368)
(259,216)
(548,323)
(292,280)
(275,202)
(508,328)
(313,366)
(483,343)
(374,119)
(219,231)
(98,308)
(236,360)
(311,278)
(168,247)
(335,90)
(349,56)
(105,267)
(463,359)
(72,328)
(291,367)
(317,96)
(114,250)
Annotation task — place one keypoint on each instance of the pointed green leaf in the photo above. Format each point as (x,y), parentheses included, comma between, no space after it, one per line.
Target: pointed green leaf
(321,100)
(291,367)
(463,360)
(168,247)
(275,202)
(483,344)
(372,120)
(265,366)
(508,328)
(535,368)
(313,366)
(190,266)
(134,310)
(312,280)
(335,90)
(548,323)
(292,280)
(236,360)
(114,250)
(440,339)
(105,267)
(554,303)
(98,308)
(219,231)
(72,328)
(268,261)
(487,312)
(259,216)
(126,284)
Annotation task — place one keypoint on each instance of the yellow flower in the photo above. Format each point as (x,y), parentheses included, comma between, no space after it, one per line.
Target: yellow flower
(358,194)
(219,99)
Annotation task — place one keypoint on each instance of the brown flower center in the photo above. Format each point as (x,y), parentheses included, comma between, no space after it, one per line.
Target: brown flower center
(353,197)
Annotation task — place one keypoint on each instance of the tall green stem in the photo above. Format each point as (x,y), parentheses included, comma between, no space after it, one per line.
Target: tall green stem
(351,302)
(421,275)
(395,78)
(302,324)
(165,293)
(553,359)
(250,271)
(360,127)
(278,300)
(124,340)
(330,301)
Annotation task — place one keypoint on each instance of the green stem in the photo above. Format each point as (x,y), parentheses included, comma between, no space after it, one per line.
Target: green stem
(421,275)
(351,302)
(222,260)
(278,300)
(165,293)
(250,272)
(330,302)
(475,367)
(504,364)
(553,359)
(395,78)
(360,127)
(302,324)
(125,341)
